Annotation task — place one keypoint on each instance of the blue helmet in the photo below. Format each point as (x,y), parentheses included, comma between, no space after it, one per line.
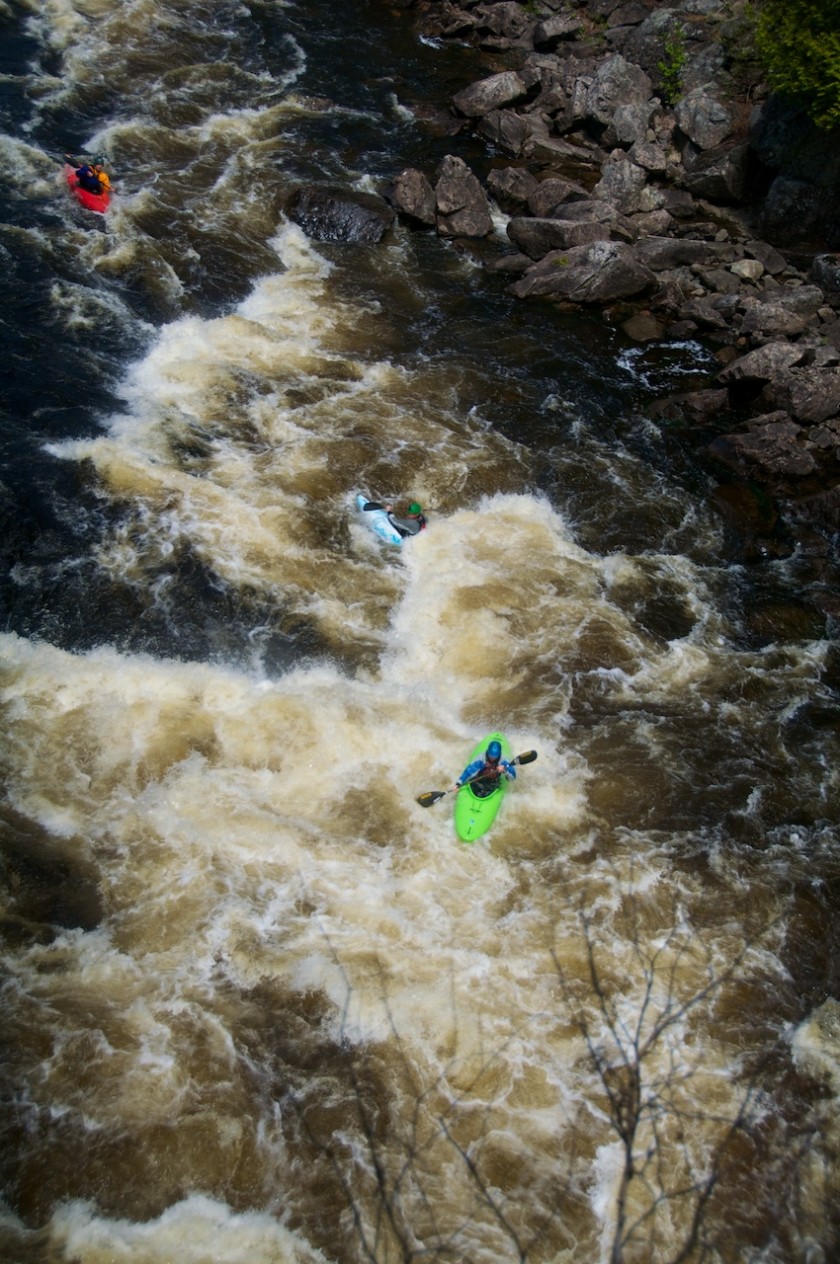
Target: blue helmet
(494,751)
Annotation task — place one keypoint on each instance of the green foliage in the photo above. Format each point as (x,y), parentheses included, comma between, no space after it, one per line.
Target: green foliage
(798,42)
(672,65)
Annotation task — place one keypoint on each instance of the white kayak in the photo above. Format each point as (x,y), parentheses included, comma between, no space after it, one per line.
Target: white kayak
(378,521)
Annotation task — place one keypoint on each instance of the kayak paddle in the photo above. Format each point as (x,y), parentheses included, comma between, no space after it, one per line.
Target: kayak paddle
(431,796)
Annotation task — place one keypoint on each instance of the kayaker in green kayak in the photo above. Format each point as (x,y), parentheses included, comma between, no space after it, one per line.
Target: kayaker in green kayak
(485,774)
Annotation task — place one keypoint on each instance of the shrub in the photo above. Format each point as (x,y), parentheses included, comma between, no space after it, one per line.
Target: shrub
(798,42)
(672,65)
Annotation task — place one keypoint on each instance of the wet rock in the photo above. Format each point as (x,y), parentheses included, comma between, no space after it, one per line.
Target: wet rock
(749,511)
(329,214)
(644,327)
(691,407)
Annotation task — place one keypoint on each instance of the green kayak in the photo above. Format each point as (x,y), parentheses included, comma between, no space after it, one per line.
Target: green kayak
(475,815)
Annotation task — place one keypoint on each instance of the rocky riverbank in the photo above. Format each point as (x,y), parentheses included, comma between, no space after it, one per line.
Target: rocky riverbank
(647,172)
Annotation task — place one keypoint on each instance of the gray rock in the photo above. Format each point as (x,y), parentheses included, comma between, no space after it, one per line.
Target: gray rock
(763,364)
(705,120)
(549,33)
(549,195)
(825,270)
(507,19)
(661,253)
(507,129)
(621,184)
(598,273)
(536,237)
(616,83)
(462,206)
(695,407)
(413,196)
(767,321)
(772,444)
(511,187)
(489,94)
(808,394)
(719,174)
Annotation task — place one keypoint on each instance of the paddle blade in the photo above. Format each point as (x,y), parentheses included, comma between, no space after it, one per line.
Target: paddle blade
(527,757)
(431,796)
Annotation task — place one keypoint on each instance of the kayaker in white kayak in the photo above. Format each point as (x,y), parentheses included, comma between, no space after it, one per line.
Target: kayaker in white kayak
(495,768)
(412,524)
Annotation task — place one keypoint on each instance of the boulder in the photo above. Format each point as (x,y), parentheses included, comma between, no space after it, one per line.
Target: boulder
(719,174)
(621,184)
(772,444)
(769,321)
(562,26)
(536,237)
(705,120)
(490,94)
(665,253)
(511,187)
(413,196)
(616,83)
(548,197)
(825,270)
(792,210)
(462,206)
(509,130)
(693,407)
(809,394)
(598,273)
(763,364)
(331,214)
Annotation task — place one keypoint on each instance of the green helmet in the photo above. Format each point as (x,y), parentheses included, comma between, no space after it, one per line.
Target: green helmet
(414,508)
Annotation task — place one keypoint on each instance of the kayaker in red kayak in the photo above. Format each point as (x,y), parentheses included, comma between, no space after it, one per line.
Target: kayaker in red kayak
(91,176)
(492,766)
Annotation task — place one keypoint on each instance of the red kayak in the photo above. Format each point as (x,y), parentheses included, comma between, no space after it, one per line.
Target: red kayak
(90,201)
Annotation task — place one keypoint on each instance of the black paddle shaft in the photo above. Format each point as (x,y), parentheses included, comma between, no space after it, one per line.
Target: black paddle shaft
(431,796)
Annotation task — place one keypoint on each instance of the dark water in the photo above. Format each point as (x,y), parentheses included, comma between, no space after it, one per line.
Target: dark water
(258,1004)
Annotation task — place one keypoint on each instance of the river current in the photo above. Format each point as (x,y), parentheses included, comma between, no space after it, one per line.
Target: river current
(260,1006)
